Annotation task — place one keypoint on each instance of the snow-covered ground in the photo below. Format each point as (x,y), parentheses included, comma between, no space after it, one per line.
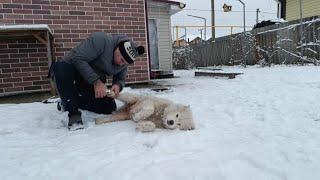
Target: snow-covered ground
(265,124)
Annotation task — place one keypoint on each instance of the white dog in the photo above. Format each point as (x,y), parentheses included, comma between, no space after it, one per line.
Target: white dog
(151,112)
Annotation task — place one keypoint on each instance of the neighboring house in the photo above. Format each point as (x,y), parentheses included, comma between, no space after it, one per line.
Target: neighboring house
(196,40)
(159,24)
(290,9)
(180,43)
(24,57)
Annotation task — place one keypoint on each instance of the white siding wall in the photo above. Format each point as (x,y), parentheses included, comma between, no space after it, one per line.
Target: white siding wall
(160,12)
(310,8)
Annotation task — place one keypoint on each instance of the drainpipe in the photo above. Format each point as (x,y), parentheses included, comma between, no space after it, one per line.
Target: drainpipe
(279,9)
(147,28)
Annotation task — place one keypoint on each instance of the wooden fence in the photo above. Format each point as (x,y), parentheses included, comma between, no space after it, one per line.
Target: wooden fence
(275,44)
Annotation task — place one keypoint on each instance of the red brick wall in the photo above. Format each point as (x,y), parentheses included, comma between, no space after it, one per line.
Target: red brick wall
(23,63)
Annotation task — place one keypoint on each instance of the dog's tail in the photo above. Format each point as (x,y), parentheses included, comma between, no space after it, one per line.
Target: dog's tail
(128,98)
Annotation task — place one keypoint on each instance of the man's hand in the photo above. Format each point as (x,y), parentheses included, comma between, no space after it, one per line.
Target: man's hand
(116,89)
(100,89)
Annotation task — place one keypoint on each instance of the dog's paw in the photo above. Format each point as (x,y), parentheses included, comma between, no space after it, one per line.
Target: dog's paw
(145,126)
(136,117)
(186,127)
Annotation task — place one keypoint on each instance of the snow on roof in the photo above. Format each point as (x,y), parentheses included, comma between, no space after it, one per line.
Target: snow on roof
(10,27)
(168,1)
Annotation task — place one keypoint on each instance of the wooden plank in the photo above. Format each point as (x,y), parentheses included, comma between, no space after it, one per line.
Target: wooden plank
(213,74)
(50,58)
(209,68)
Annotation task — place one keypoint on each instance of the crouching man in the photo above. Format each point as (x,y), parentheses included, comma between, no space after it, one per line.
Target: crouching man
(81,75)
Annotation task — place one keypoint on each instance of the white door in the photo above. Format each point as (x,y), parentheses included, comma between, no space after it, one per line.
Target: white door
(153,38)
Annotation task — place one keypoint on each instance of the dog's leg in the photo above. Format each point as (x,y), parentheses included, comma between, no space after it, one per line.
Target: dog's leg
(121,115)
(145,110)
(128,98)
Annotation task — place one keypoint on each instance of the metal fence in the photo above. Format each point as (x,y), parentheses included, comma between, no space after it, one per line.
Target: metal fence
(275,44)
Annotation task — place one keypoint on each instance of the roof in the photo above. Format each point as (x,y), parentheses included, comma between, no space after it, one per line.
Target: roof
(168,1)
(281,1)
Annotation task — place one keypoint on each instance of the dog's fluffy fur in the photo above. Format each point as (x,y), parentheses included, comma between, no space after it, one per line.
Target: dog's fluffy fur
(151,112)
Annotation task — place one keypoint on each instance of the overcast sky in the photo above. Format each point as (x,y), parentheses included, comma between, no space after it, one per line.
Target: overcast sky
(202,8)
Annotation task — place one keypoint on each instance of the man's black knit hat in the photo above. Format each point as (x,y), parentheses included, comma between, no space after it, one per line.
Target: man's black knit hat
(129,52)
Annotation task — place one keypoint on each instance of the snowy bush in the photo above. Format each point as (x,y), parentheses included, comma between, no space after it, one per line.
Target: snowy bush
(287,45)
(181,58)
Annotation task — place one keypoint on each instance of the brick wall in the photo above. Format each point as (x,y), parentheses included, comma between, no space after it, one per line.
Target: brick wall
(23,62)
(23,65)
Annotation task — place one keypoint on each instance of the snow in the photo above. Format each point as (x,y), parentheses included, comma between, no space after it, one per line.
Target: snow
(309,44)
(311,50)
(6,27)
(262,125)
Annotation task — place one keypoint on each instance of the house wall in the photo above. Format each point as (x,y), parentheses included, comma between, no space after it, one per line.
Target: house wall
(310,8)
(24,64)
(160,12)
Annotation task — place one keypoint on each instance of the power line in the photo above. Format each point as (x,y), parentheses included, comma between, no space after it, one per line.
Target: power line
(194,9)
(265,12)
(220,19)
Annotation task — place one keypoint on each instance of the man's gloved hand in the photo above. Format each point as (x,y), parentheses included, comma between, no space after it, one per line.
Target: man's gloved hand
(116,89)
(100,89)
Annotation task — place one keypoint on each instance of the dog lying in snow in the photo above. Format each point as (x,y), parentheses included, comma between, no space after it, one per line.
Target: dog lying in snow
(151,112)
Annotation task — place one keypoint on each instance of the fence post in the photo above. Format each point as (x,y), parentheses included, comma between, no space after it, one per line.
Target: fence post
(177,33)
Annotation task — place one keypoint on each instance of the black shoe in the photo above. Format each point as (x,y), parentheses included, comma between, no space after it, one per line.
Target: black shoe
(75,121)
(60,106)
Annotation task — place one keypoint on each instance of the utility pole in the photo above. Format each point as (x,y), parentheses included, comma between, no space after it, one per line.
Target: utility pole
(244,34)
(201,33)
(257,19)
(213,29)
(244,15)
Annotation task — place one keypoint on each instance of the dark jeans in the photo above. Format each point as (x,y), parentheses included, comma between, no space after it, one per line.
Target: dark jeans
(76,93)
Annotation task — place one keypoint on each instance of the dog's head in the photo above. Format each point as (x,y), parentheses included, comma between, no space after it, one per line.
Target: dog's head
(178,116)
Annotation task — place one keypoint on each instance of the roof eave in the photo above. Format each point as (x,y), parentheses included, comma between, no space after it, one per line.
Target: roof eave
(175,6)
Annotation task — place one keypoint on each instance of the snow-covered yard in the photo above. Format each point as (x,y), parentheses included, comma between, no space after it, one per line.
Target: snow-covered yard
(264,124)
